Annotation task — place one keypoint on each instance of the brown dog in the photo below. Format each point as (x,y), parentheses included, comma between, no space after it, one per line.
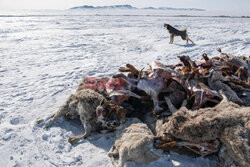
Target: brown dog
(174,32)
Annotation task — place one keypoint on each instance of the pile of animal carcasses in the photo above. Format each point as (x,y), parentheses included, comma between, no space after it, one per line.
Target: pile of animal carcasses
(195,84)
(164,89)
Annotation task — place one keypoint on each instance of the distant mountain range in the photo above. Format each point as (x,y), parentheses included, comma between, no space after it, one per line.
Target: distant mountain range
(131,7)
(169,8)
(105,7)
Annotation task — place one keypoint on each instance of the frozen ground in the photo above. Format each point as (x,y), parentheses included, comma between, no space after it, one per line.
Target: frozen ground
(45,54)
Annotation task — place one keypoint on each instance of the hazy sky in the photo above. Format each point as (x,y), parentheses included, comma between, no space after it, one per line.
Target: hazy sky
(65,4)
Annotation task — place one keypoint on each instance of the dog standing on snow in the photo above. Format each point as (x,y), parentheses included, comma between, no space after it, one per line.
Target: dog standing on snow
(174,32)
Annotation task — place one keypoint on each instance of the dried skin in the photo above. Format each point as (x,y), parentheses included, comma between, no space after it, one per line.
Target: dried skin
(201,148)
(227,121)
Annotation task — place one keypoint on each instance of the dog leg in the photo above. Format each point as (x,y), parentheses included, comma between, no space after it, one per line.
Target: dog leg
(76,139)
(190,40)
(87,128)
(171,38)
(122,157)
(41,121)
(98,136)
(61,112)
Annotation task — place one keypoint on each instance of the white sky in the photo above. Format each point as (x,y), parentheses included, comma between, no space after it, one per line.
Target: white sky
(240,5)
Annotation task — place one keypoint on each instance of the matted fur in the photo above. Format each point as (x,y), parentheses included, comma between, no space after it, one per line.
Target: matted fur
(134,143)
(94,111)
(227,121)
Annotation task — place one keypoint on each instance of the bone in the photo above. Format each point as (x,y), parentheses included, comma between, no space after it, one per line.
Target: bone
(170,105)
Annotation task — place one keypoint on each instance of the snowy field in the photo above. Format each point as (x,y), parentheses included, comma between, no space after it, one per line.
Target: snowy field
(45,54)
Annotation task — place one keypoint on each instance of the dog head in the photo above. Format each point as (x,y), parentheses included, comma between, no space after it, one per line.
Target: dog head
(166,26)
(71,104)
(110,115)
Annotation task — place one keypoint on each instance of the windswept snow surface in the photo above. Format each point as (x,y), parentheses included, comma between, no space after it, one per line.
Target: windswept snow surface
(45,54)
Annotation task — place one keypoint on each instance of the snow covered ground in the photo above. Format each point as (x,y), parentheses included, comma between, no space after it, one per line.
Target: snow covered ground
(44,55)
